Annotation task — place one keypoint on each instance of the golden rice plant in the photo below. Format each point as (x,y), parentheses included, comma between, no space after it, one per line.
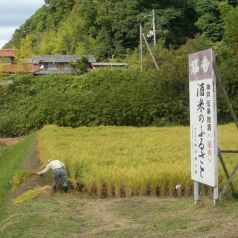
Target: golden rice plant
(126,161)
(30,194)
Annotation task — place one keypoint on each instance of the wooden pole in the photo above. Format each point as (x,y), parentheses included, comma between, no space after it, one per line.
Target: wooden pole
(229,181)
(153,22)
(141,49)
(229,151)
(225,95)
(152,56)
(196,193)
(233,115)
(225,169)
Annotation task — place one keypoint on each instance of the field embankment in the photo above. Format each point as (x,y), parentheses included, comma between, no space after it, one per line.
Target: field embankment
(11,160)
(127,161)
(72,215)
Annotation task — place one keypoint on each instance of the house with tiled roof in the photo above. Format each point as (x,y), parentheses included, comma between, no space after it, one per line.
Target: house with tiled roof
(58,64)
(8,64)
(7,56)
(48,64)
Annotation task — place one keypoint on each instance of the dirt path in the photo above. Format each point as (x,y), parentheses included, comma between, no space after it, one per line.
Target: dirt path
(31,164)
(10,141)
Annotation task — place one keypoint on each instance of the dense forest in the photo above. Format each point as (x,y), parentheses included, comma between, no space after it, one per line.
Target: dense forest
(107,27)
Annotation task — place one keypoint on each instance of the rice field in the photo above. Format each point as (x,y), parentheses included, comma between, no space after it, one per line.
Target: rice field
(128,161)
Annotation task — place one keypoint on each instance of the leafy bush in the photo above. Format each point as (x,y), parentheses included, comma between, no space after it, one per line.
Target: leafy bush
(104,97)
(125,97)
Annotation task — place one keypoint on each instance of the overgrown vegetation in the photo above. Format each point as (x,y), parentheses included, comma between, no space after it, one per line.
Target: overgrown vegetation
(10,163)
(123,97)
(125,161)
(81,66)
(118,97)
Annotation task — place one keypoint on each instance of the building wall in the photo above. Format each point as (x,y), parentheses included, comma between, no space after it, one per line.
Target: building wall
(55,68)
(16,68)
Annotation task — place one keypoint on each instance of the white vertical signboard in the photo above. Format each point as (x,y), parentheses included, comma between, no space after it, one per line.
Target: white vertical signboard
(203,117)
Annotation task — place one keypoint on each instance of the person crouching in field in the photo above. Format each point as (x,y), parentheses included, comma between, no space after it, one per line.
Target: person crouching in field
(59,172)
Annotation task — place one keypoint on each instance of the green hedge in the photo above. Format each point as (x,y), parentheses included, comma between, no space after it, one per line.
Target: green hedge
(104,97)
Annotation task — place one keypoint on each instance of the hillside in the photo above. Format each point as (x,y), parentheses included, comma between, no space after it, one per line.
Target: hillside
(100,27)
(106,28)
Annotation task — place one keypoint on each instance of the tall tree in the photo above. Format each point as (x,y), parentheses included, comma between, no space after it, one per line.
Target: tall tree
(209,21)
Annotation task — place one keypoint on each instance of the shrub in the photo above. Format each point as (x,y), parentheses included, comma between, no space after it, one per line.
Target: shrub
(105,97)
(125,97)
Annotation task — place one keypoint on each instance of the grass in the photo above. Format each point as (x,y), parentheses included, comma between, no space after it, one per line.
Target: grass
(2,150)
(125,161)
(74,215)
(10,162)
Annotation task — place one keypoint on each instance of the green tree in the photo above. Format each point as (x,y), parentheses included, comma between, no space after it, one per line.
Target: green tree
(81,66)
(209,19)
(230,26)
(47,43)
(26,48)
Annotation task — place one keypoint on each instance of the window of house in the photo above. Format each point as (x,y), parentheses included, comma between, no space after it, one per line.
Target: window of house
(60,66)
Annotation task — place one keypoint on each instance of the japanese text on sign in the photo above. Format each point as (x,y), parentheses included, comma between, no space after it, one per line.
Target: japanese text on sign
(203,119)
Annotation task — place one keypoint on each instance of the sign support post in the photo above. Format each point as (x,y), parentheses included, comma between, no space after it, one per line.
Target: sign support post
(196,193)
(215,195)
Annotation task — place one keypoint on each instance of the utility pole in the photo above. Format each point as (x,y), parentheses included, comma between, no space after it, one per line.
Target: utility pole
(142,36)
(153,23)
(141,49)
(152,56)
(111,60)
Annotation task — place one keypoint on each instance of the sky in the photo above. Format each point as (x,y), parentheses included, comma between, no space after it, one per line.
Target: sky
(13,13)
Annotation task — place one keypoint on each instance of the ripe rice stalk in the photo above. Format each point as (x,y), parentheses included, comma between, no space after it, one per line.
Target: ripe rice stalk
(128,160)
(30,194)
